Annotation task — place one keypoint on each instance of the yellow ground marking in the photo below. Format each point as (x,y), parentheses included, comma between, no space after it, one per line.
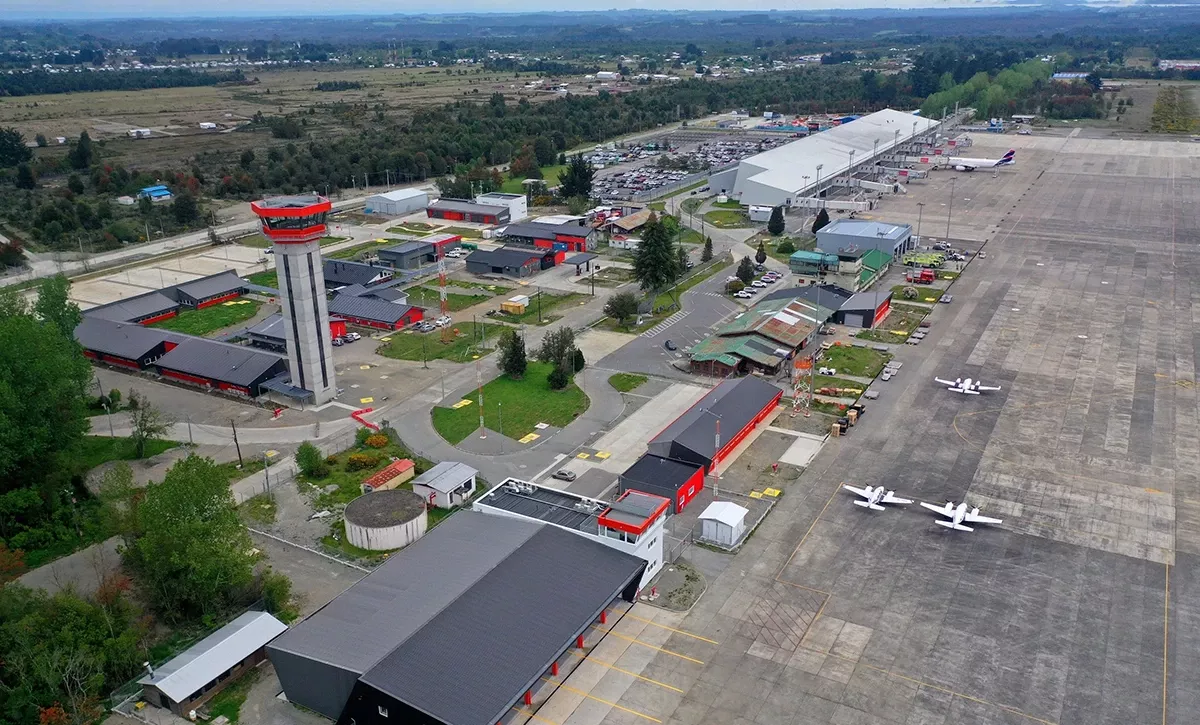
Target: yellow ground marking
(1166,619)
(583,455)
(603,454)
(646,644)
(772,492)
(385,339)
(462,403)
(364,367)
(804,538)
(270,454)
(756,494)
(364,401)
(533,715)
(529,438)
(1152,490)
(609,665)
(622,708)
(669,629)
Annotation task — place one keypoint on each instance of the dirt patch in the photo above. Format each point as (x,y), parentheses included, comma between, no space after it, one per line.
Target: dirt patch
(678,585)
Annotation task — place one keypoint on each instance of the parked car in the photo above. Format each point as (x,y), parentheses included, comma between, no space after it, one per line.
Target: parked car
(268,250)
(443,321)
(338,342)
(926,323)
(759,268)
(743,294)
(758,283)
(670,346)
(1024,132)
(751,290)
(563,474)
(425,327)
(353,337)
(731,278)
(827,371)
(828,330)
(887,375)
(946,299)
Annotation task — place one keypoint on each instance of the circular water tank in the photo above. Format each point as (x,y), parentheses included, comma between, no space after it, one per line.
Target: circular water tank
(385,520)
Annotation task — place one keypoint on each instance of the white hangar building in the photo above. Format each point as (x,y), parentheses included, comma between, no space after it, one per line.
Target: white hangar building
(788,172)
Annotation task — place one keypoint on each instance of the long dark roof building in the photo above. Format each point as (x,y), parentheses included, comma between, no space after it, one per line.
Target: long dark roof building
(738,404)
(457,627)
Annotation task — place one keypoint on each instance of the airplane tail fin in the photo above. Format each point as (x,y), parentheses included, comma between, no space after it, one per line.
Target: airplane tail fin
(869,505)
(1008,158)
(952,525)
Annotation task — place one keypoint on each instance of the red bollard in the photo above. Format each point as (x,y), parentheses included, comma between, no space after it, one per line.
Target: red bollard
(604,616)
(528,698)
(579,641)
(554,669)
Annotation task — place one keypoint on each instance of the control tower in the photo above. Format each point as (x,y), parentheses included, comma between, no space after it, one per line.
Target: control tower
(295,224)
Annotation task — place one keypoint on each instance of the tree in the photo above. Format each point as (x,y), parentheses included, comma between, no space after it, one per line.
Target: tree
(761,255)
(745,271)
(43,379)
(12,564)
(147,423)
(185,207)
(576,180)
(41,141)
(577,205)
(558,378)
(654,261)
(75,184)
(543,149)
(119,499)
(821,220)
(579,361)
(54,305)
(82,154)
(13,150)
(194,555)
(707,254)
(786,247)
(735,285)
(621,306)
(512,361)
(681,261)
(775,224)
(557,346)
(310,461)
(26,179)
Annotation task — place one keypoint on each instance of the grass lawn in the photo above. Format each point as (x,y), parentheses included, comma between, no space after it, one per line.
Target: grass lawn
(665,298)
(407,345)
(658,205)
(925,293)
(530,401)
(900,323)
(347,482)
(491,289)
(98,449)
(464,232)
(337,542)
(728,219)
(210,319)
(690,205)
(416,230)
(356,251)
(427,297)
(550,175)
(260,509)
(625,382)
(549,302)
(258,241)
(229,701)
(607,277)
(687,235)
(859,361)
(268,278)
(728,204)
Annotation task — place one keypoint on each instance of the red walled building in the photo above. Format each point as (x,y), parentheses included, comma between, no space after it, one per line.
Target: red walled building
(728,413)
(461,210)
(677,481)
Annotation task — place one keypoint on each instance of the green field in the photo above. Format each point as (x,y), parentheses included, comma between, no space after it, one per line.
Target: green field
(98,449)
(548,304)
(687,235)
(464,232)
(428,297)
(550,175)
(860,361)
(692,204)
(467,346)
(728,204)
(267,279)
(728,219)
(926,294)
(357,250)
(521,403)
(414,228)
(626,382)
(491,289)
(210,319)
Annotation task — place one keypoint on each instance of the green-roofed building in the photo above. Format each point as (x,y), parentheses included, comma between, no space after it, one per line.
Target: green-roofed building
(760,339)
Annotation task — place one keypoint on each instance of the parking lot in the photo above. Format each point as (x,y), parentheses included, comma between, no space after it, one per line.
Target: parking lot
(1079,607)
(666,168)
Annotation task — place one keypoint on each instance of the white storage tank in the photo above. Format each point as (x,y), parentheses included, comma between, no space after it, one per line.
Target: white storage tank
(386,520)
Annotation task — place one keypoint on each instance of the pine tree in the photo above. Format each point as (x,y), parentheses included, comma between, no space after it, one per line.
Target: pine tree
(25,177)
(821,220)
(513,361)
(761,255)
(707,254)
(80,157)
(745,270)
(654,265)
(775,225)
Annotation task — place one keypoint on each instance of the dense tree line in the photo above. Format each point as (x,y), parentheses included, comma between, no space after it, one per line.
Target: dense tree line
(38,82)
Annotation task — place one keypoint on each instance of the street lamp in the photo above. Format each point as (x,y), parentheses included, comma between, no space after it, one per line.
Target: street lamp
(817,187)
(950,212)
(920,210)
(108,414)
(850,166)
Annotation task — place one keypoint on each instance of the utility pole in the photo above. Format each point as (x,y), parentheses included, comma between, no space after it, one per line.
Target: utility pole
(108,414)
(539,296)
(716,470)
(950,212)
(479,390)
(266,474)
(500,425)
(920,211)
(189,422)
(235,442)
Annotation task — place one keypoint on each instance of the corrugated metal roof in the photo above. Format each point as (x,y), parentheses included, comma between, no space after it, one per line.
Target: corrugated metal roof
(218,361)
(399,195)
(204,661)
(473,661)
(786,321)
(865,229)
(270,327)
(368,308)
(446,476)
(658,472)
(135,308)
(506,256)
(467,207)
(389,294)
(634,220)
(867,300)
(373,617)
(123,339)
(212,286)
(726,512)
(341,272)
(734,402)
(409,247)
(545,230)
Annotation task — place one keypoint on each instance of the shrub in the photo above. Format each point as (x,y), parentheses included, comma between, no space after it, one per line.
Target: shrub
(557,379)
(361,435)
(276,592)
(308,458)
(786,247)
(378,440)
(114,397)
(579,360)
(361,461)
(735,286)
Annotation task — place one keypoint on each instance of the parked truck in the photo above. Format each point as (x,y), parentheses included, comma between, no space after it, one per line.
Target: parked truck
(923,276)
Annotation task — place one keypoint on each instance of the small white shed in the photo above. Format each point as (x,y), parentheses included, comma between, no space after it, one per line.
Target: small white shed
(446,485)
(760,213)
(723,523)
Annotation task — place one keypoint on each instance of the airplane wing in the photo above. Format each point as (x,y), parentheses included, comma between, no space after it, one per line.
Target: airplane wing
(860,491)
(976,519)
(943,509)
(968,391)
(944,382)
(890,498)
(989,387)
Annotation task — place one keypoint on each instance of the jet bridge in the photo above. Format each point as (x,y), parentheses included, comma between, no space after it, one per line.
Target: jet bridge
(812,202)
(886,188)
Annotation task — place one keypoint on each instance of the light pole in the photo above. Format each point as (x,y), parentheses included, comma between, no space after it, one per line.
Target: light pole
(850,165)
(950,211)
(817,187)
(500,423)
(920,211)
(108,414)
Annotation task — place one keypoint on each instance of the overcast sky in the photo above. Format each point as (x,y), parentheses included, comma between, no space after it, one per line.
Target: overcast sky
(58,9)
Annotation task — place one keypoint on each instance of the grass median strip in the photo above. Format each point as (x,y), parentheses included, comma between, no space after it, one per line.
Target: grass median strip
(472,340)
(626,382)
(513,407)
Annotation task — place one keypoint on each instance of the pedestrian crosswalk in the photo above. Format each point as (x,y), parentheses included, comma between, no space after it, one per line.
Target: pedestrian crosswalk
(666,323)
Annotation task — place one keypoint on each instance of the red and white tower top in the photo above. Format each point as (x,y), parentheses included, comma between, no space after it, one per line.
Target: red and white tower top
(293,219)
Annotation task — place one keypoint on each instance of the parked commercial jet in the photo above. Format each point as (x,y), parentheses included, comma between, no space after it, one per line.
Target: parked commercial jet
(967,387)
(875,497)
(965,164)
(958,514)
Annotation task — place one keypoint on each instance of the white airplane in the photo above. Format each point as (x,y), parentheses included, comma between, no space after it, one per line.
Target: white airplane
(958,514)
(875,496)
(966,387)
(965,164)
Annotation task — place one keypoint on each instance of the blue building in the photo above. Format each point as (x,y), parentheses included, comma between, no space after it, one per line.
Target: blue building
(159,192)
(846,234)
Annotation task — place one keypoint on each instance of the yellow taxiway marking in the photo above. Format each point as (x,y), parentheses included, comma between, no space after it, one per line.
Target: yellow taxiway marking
(645,644)
(364,401)
(533,715)
(593,660)
(670,629)
(622,708)
(583,455)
